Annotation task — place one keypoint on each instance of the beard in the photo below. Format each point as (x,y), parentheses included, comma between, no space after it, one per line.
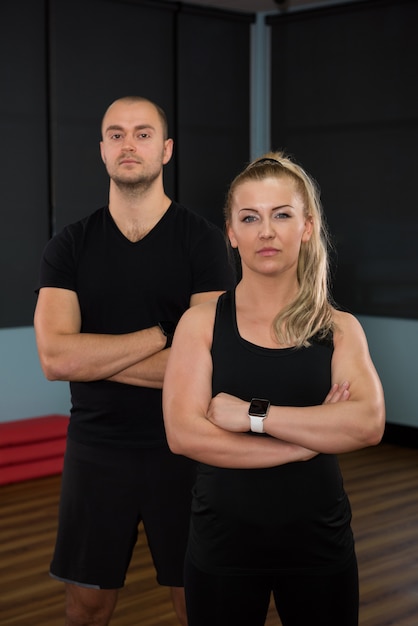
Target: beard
(131,181)
(139,182)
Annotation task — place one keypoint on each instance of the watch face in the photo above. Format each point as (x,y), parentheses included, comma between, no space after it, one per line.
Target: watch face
(259,407)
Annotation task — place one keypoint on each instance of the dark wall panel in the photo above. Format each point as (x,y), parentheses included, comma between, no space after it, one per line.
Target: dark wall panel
(213,106)
(101,50)
(23,158)
(345,104)
(62,64)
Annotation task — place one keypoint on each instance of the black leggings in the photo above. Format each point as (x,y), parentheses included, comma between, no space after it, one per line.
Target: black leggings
(330,600)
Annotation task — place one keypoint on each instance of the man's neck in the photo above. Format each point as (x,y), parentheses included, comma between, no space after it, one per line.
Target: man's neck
(136,212)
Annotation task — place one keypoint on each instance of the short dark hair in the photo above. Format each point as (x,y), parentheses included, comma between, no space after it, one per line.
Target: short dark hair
(160,111)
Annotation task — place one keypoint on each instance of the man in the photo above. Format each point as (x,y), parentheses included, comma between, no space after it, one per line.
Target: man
(112,288)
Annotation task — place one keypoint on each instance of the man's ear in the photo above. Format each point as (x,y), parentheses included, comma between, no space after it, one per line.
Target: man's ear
(168,150)
(102,152)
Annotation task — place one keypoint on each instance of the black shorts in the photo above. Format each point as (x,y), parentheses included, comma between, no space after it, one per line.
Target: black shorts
(105,494)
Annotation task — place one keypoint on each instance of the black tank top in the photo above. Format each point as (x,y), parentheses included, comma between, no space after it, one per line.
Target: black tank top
(290,518)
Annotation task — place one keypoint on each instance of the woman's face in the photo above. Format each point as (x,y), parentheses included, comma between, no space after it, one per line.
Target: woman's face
(268,225)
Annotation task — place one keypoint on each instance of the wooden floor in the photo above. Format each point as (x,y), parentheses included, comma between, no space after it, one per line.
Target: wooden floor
(383,486)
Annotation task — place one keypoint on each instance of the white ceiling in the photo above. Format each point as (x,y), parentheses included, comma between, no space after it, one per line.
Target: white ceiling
(265,5)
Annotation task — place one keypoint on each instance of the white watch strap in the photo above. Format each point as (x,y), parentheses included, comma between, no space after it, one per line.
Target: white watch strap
(257,423)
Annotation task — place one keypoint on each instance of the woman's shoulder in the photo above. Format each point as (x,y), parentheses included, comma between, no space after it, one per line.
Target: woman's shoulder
(344,318)
(201,313)
(346,326)
(195,327)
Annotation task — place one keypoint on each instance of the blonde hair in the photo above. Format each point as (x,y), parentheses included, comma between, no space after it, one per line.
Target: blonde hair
(310,313)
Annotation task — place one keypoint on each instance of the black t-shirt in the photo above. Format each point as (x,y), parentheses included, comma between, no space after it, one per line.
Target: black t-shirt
(123,287)
(290,518)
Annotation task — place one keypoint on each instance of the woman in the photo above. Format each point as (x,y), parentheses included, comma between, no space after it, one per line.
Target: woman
(264,387)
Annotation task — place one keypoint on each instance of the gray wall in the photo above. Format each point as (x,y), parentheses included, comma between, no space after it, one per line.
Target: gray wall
(24,392)
(394,348)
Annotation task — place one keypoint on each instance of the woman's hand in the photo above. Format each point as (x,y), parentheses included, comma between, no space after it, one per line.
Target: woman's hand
(338,393)
(229,412)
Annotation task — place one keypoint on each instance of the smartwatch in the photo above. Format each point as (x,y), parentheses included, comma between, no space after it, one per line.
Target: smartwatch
(167,328)
(257,413)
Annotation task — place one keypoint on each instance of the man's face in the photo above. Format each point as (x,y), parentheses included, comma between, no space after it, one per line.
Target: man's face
(133,147)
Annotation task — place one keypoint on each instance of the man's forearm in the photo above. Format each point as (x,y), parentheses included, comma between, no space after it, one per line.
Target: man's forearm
(85,357)
(147,373)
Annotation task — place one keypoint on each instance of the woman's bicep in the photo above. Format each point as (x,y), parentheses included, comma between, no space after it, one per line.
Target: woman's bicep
(352,362)
(187,388)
